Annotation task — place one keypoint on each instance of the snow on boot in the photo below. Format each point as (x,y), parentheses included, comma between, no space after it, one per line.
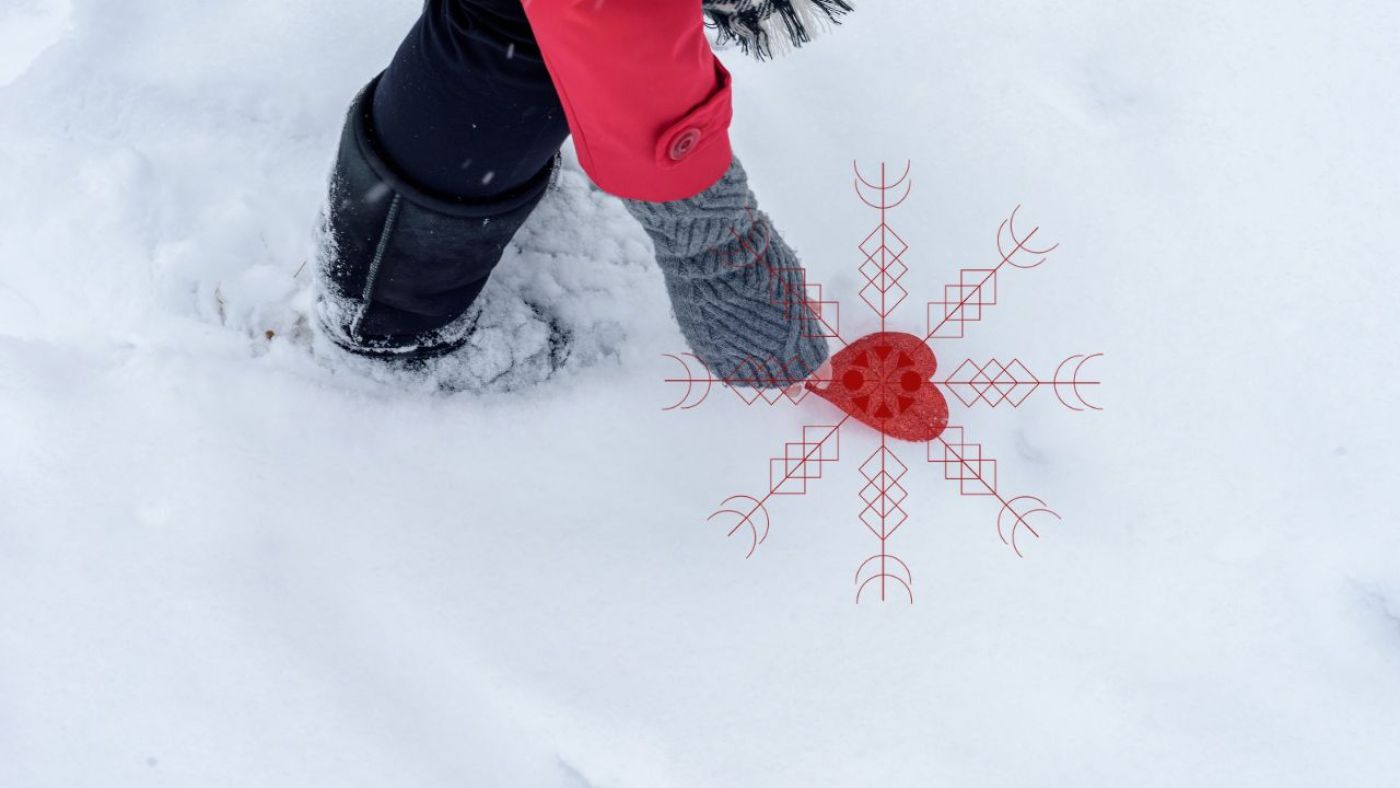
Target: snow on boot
(400,269)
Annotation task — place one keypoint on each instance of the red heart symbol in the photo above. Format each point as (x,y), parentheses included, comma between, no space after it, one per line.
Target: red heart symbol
(885,380)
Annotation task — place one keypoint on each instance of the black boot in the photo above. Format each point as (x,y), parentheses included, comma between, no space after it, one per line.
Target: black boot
(401,268)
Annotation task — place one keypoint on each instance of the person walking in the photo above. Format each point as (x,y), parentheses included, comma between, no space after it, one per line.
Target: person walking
(445,153)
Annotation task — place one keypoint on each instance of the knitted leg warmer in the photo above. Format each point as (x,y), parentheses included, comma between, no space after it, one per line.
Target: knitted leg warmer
(736,288)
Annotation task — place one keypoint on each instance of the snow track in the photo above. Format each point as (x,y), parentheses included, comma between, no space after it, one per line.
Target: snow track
(228,558)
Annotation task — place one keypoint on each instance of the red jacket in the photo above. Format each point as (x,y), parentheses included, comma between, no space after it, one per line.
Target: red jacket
(647,101)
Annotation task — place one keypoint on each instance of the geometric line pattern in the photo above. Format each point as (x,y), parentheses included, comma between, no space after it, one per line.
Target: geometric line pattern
(991,383)
(963,463)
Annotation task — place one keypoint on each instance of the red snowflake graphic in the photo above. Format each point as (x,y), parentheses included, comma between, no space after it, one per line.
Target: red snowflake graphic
(887,381)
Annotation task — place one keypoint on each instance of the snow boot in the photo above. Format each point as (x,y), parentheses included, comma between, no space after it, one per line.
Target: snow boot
(400,268)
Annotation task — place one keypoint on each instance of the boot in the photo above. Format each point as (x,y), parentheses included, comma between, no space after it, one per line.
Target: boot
(400,268)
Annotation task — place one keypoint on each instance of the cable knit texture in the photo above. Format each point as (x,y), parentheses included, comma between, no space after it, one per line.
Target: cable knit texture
(738,291)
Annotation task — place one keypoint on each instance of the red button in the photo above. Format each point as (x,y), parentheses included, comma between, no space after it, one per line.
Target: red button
(684,142)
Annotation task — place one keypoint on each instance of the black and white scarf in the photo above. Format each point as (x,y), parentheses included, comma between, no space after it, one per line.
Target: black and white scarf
(763,27)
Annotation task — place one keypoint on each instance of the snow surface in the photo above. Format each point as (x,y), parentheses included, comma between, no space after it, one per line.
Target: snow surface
(226,560)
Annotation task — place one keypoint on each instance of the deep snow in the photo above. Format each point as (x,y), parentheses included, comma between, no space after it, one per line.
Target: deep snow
(227,561)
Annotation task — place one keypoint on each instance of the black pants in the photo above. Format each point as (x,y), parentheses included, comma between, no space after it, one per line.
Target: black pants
(467,108)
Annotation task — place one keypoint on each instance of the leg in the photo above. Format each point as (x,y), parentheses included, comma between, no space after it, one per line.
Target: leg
(467,108)
(412,233)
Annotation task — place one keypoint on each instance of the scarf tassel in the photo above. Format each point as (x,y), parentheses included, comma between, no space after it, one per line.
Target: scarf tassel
(763,28)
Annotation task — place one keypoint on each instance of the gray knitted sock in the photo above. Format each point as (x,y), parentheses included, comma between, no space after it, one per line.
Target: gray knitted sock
(737,289)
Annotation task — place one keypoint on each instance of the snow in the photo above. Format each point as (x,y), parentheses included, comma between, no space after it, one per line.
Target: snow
(227,560)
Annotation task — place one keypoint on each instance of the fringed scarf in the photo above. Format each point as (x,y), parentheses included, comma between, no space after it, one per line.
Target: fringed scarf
(765,27)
